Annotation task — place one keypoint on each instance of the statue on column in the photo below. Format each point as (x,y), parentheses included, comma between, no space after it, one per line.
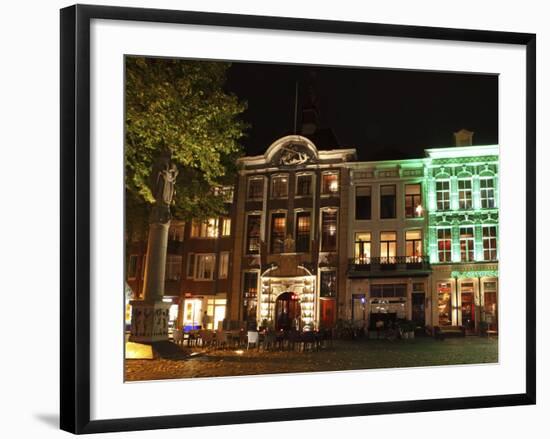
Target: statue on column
(162,184)
(150,316)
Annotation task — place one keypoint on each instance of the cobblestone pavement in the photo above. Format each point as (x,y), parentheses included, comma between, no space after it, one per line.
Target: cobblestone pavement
(344,355)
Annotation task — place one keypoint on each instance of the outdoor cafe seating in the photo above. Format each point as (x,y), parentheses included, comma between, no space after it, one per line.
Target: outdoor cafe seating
(266,339)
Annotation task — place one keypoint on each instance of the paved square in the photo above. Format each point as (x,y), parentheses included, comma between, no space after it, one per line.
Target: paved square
(344,355)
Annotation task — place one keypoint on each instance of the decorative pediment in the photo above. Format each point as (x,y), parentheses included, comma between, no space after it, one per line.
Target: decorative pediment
(293,154)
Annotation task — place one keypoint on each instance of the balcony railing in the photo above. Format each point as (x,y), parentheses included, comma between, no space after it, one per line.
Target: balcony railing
(388,263)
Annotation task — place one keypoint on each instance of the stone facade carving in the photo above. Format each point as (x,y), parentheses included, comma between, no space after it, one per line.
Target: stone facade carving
(291,155)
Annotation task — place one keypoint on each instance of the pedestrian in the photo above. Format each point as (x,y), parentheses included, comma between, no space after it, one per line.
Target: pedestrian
(205,320)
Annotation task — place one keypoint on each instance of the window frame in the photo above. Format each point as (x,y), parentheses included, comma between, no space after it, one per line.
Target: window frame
(445,252)
(271,241)
(414,257)
(296,230)
(311,185)
(359,244)
(275,177)
(490,238)
(249,181)
(382,197)
(363,196)
(461,199)
(336,212)
(443,202)
(330,193)
(224,256)
(467,240)
(170,264)
(386,258)
(413,197)
(198,257)
(483,198)
(247,236)
(224,221)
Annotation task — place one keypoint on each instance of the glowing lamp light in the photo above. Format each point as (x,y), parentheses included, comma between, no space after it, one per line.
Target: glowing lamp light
(419,210)
(239,352)
(332,230)
(333,186)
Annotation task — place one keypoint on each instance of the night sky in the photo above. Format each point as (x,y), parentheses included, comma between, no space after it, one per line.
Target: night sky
(384,114)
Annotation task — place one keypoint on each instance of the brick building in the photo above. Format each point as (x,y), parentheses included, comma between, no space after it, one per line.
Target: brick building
(312,236)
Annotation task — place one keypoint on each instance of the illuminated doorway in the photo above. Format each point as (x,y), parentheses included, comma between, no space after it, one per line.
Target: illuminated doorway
(192,314)
(287,311)
(467,306)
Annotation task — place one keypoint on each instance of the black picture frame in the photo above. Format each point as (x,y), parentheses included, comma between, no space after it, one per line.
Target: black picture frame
(75,218)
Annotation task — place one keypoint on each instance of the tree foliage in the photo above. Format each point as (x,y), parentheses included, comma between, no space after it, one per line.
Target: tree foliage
(180,106)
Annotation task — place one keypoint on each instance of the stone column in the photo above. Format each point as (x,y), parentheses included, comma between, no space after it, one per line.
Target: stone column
(150,316)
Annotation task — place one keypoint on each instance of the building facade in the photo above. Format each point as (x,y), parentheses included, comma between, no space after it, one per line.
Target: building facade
(389,271)
(313,236)
(291,227)
(463,235)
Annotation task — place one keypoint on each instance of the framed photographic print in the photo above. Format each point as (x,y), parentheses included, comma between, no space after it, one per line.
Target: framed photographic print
(268,218)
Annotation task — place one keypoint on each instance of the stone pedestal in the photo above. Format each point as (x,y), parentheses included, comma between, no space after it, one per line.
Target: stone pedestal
(149,321)
(150,316)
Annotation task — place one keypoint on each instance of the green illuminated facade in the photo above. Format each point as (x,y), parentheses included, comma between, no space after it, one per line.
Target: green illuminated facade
(462,203)
(451,279)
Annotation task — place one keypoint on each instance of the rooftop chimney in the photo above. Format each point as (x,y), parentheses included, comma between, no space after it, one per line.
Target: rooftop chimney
(463,137)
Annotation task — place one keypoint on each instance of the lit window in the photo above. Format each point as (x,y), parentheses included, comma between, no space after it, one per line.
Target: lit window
(204,266)
(329,231)
(328,283)
(490,243)
(303,185)
(363,203)
(224,265)
(278,230)
(388,247)
(330,183)
(175,233)
(362,248)
(250,296)
(387,201)
(413,245)
(444,245)
(443,194)
(253,234)
(413,200)
(467,244)
(173,267)
(226,226)
(205,229)
(279,186)
(303,228)
(255,188)
(487,192)
(465,194)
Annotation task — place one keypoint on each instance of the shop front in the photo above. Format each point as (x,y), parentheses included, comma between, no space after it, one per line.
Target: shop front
(387,301)
(203,311)
(467,298)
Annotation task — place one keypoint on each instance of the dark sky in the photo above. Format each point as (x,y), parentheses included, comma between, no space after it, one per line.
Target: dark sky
(384,114)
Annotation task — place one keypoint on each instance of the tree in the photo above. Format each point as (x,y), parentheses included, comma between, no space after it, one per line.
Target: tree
(180,106)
